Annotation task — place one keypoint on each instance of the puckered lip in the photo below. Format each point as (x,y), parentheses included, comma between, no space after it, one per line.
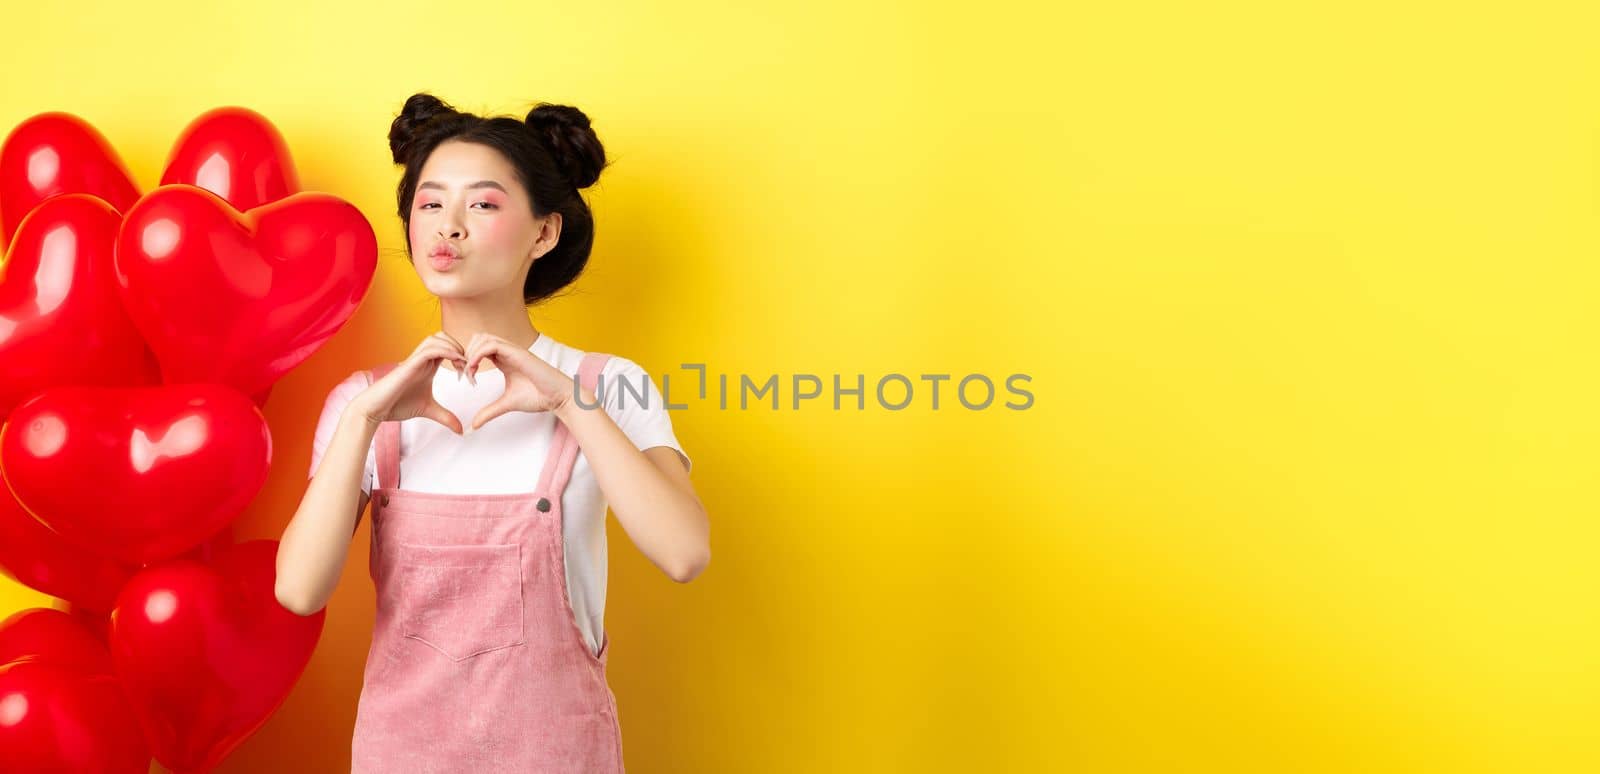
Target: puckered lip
(443,250)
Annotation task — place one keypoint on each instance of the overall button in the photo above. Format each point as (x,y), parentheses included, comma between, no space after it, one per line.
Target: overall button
(544,505)
(383,500)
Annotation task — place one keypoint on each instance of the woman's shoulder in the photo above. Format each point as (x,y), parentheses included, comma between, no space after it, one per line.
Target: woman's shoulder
(614,366)
(568,358)
(617,368)
(351,386)
(361,377)
(629,388)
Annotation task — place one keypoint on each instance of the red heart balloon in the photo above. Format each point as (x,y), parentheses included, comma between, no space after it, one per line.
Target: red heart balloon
(62,708)
(141,473)
(211,547)
(241,298)
(57,719)
(235,153)
(54,636)
(98,622)
(41,559)
(58,153)
(207,653)
(61,315)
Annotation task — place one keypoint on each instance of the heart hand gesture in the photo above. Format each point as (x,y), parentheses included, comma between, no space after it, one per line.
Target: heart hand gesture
(531,383)
(407,390)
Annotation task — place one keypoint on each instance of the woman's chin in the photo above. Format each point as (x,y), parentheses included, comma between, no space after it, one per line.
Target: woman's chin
(446,286)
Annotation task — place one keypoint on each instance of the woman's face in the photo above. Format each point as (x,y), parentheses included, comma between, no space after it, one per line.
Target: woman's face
(469,204)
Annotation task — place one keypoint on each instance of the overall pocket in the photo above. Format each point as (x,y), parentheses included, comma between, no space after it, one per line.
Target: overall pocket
(461,600)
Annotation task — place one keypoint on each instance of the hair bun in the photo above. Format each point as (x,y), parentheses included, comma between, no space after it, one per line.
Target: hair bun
(565,131)
(419,109)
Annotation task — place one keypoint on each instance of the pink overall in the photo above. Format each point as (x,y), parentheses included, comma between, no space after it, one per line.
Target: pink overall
(477,663)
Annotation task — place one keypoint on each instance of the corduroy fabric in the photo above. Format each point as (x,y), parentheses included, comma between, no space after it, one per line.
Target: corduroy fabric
(477,663)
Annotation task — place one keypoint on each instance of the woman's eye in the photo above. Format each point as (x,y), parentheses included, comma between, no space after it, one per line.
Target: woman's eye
(487,205)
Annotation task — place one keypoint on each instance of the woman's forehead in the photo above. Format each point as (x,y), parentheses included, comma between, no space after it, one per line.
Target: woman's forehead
(458,164)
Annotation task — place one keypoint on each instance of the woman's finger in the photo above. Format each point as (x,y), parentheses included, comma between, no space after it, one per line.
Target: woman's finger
(501,405)
(438,339)
(435,350)
(451,340)
(443,416)
(486,347)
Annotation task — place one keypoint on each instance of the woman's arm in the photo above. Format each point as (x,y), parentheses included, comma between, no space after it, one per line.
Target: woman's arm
(649,491)
(312,551)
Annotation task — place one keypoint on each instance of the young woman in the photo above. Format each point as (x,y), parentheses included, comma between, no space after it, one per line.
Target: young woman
(489,457)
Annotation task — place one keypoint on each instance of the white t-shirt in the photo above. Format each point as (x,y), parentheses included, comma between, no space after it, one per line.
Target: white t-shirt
(506,456)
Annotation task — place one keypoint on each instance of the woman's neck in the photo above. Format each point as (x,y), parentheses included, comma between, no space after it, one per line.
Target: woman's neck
(462,319)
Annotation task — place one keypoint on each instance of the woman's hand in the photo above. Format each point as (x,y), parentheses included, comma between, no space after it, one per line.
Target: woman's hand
(531,383)
(407,390)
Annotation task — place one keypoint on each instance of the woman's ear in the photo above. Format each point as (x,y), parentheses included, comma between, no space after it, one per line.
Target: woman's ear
(549,235)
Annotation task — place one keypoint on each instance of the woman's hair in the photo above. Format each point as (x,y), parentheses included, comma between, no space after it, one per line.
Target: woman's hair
(554,153)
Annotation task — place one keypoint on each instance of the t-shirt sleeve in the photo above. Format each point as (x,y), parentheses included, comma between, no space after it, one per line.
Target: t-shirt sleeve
(637,406)
(332,408)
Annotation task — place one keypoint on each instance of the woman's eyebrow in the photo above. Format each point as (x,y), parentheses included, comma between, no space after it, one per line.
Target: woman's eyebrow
(479,184)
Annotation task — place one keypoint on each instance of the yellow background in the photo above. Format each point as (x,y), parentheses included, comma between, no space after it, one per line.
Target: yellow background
(1306,295)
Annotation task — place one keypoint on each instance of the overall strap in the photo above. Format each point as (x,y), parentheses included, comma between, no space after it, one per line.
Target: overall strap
(388,440)
(563,446)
